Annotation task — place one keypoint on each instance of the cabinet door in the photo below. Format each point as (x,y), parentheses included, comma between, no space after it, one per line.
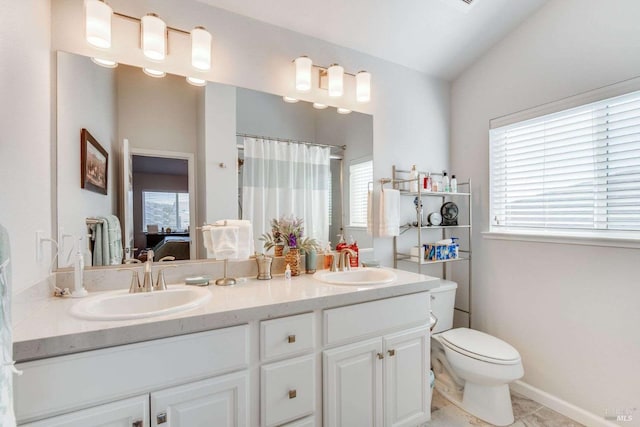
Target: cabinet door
(133,412)
(352,385)
(220,401)
(406,377)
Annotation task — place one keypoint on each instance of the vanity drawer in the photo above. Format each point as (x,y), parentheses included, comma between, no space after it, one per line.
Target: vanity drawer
(66,383)
(286,336)
(287,390)
(360,321)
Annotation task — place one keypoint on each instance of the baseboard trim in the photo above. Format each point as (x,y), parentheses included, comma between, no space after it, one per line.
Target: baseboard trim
(565,408)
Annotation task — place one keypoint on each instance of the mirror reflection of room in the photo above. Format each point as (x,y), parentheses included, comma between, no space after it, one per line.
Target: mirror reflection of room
(208,126)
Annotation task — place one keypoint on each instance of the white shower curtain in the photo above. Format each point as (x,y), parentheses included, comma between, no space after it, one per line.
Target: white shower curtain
(285,178)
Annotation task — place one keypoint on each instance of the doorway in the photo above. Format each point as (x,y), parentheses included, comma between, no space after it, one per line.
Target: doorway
(163,204)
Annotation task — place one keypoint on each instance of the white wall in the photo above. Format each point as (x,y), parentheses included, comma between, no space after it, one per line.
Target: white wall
(158,114)
(25,147)
(86,98)
(411,110)
(572,311)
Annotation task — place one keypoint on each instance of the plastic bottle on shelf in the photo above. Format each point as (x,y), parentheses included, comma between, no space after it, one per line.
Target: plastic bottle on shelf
(435,185)
(454,184)
(287,273)
(445,182)
(428,183)
(413,176)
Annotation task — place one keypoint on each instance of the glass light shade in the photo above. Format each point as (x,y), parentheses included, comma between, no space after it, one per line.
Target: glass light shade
(289,99)
(97,21)
(107,63)
(303,74)
(195,81)
(201,49)
(363,86)
(336,80)
(154,73)
(319,106)
(343,110)
(154,40)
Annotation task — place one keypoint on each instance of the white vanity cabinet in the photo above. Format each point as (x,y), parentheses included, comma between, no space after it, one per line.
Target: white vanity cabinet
(383,381)
(220,401)
(364,364)
(86,385)
(133,412)
(288,386)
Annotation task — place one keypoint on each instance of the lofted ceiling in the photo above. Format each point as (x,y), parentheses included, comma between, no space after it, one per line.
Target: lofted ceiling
(438,37)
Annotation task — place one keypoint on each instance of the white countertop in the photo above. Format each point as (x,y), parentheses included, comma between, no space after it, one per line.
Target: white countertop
(51,330)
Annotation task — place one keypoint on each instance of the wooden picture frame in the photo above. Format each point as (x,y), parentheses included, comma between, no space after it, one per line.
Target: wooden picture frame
(94,164)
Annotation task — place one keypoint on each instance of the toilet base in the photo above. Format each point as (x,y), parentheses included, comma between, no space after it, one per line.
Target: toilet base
(489,403)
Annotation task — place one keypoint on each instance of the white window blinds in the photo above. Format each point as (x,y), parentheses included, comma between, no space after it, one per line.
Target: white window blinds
(360,174)
(574,170)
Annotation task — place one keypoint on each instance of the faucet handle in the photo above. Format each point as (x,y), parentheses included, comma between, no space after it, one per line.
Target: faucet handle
(161,284)
(134,287)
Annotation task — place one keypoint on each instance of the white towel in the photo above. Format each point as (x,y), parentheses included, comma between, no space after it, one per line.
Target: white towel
(370,212)
(246,246)
(389,213)
(208,243)
(225,241)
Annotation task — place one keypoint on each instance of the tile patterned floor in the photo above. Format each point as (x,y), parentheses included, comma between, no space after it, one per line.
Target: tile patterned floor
(527,413)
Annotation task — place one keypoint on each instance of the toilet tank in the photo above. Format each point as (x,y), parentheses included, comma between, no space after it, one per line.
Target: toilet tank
(443,300)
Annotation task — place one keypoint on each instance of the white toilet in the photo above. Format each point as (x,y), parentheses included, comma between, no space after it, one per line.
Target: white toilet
(473,369)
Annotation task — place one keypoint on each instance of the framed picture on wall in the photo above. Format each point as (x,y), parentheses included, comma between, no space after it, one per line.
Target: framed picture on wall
(94,164)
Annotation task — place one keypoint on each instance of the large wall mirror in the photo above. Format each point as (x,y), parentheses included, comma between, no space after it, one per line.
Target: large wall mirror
(180,156)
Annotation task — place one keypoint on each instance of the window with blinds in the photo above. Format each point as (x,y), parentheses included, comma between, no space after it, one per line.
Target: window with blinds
(576,170)
(360,175)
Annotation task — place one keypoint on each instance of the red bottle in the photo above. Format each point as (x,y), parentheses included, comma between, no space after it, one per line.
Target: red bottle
(341,244)
(354,261)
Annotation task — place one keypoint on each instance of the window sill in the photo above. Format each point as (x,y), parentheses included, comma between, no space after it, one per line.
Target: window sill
(565,239)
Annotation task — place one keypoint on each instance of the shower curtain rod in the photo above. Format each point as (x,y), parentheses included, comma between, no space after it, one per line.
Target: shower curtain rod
(270,138)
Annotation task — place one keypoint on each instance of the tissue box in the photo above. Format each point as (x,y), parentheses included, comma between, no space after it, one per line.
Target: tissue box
(418,254)
(440,252)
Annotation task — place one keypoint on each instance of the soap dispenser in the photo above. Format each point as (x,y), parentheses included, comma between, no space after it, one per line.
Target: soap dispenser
(78,272)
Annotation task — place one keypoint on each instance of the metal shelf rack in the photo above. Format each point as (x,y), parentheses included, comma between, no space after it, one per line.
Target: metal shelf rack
(400,178)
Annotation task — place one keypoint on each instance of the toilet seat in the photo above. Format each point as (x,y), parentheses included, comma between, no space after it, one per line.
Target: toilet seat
(480,346)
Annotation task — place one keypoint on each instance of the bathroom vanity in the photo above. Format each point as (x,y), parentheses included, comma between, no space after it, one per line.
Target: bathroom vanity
(268,353)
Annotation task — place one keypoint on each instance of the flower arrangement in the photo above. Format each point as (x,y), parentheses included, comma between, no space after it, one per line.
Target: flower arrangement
(288,231)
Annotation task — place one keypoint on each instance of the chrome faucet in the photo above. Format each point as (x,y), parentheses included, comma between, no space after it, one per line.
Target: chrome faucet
(344,259)
(147,281)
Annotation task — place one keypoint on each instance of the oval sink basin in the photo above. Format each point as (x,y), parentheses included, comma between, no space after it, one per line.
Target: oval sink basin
(357,277)
(121,305)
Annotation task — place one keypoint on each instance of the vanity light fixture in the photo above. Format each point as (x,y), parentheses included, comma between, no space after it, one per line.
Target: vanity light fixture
(336,80)
(154,73)
(154,37)
(331,79)
(303,73)
(107,63)
(195,81)
(97,23)
(363,86)
(201,49)
(343,110)
(319,106)
(289,99)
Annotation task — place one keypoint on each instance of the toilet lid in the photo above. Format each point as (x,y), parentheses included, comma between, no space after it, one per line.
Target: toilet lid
(480,345)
